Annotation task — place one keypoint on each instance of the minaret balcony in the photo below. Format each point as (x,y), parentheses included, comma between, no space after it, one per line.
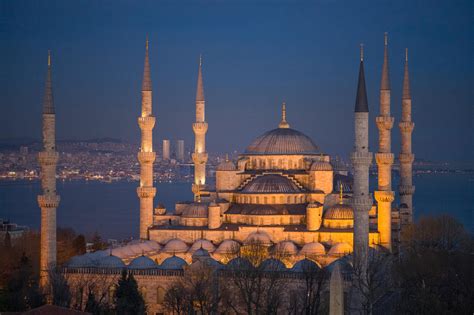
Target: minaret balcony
(200,158)
(146,157)
(384,196)
(48,157)
(200,128)
(146,192)
(361,158)
(48,201)
(406,190)
(406,158)
(146,123)
(384,158)
(384,122)
(406,126)
(362,203)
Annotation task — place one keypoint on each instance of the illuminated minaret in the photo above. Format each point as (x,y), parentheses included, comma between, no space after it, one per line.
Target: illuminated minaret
(361,159)
(200,129)
(146,192)
(384,158)
(49,200)
(406,157)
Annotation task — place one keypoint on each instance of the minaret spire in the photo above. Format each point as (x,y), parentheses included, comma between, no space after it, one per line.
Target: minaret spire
(283,122)
(406,157)
(361,159)
(48,200)
(384,157)
(200,129)
(146,156)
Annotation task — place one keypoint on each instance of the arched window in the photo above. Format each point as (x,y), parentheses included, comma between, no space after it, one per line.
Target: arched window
(160,295)
(143,292)
(258,199)
(111,293)
(288,199)
(265,200)
(273,199)
(281,200)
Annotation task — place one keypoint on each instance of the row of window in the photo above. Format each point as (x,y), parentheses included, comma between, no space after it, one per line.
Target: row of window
(265,200)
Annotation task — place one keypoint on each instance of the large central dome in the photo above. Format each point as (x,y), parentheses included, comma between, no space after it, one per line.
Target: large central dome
(282,141)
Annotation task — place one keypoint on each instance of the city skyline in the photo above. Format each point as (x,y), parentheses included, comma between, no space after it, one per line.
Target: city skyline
(250,70)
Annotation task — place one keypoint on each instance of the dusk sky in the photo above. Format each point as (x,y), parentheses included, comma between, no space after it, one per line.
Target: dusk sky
(256,55)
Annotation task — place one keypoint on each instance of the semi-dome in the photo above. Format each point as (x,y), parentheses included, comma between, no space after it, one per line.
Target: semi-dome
(142,262)
(195,210)
(339,211)
(204,244)
(110,262)
(286,247)
(313,248)
(173,262)
(258,237)
(340,249)
(321,166)
(228,247)
(175,246)
(271,183)
(282,141)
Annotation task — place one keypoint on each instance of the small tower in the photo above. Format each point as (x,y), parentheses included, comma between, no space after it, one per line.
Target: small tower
(146,192)
(406,157)
(200,130)
(361,159)
(49,200)
(384,158)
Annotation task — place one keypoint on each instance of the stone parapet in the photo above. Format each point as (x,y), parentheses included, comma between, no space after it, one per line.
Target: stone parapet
(146,157)
(384,158)
(406,126)
(384,122)
(406,190)
(361,158)
(200,128)
(48,157)
(384,196)
(406,158)
(146,192)
(200,158)
(146,123)
(48,201)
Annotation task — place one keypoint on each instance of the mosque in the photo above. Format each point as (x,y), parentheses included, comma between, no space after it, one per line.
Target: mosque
(283,192)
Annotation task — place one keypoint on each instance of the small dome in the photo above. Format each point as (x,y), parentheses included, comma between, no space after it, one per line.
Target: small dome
(173,262)
(258,237)
(271,183)
(282,141)
(201,252)
(321,166)
(205,244)
(228,247)
(340,249)
(111,262)
(305,265)
(226,165)
(195,210)
(240,263)
(142,262)
(339,211)
(273,264)
(286,247)
(313,248)
(175,246)
(124,252)
(81,261)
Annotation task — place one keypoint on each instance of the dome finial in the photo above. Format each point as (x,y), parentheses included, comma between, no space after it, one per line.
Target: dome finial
(283,122)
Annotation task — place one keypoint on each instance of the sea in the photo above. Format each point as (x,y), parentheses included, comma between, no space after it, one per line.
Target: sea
(112,209)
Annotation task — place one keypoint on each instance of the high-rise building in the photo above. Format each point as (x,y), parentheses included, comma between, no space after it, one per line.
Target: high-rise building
(166,150)
(180,150)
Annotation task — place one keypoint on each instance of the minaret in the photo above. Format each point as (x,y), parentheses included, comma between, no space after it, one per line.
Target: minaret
(384,158)
(49,200)
(361,159)
(146,192)
(200,129)
(406,157)
(336,292)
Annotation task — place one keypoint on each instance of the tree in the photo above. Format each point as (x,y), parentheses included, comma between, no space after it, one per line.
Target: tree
(97,242)
(435,271)
(61,293)
(128,300)
(79,245)
(92,306)
(7,242)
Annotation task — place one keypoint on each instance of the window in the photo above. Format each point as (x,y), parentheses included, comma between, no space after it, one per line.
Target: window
(160,295)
